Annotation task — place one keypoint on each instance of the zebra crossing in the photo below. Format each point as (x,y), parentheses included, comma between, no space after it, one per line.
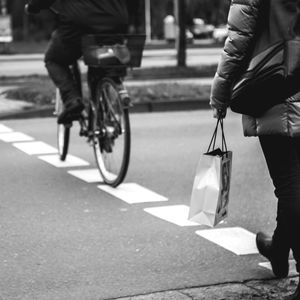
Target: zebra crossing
(237,240)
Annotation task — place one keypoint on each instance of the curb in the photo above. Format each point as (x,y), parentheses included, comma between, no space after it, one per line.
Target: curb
(28,113)
(148,107)
(164,106)
(268,289)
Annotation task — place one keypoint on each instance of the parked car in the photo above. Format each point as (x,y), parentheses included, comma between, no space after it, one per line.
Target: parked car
(201,30)
(170,30)
(220,34)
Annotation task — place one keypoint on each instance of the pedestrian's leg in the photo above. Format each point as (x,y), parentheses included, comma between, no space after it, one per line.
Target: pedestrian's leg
(283,159)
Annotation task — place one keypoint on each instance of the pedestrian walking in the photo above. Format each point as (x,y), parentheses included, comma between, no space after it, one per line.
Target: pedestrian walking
(254,25)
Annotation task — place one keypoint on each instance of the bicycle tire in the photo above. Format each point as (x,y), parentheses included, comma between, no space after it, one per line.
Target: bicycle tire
(63,131)
(111,132)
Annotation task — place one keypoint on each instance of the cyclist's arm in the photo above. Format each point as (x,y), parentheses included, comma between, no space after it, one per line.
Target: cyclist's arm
(37,5)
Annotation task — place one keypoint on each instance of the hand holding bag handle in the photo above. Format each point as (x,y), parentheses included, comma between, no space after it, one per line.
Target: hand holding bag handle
(212,144)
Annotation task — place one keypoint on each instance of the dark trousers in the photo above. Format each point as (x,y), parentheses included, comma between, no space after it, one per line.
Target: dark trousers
(283,159)
(64,49)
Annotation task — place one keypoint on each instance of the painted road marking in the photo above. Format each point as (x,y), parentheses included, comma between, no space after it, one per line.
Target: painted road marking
(71,161)
(292,262)
(4,129)
(176,214)
(89,176)
(237,240)
(133,193)
(32,148)
(15,137)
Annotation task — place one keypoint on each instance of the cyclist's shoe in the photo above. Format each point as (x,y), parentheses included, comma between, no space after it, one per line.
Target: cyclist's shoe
(71,112)
(106,145)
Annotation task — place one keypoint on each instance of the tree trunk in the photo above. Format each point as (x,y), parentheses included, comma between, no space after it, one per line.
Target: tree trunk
(180,12)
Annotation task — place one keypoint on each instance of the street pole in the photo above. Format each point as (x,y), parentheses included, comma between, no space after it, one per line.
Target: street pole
(180,13)
(25,27)
(148,20)
(3,8)
(4,13)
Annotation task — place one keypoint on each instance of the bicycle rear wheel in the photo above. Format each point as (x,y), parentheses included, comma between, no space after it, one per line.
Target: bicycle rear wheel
(63,131)
(111,132)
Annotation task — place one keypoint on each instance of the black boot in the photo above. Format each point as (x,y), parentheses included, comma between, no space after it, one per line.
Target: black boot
(278,256)
(296,295)
(71,112)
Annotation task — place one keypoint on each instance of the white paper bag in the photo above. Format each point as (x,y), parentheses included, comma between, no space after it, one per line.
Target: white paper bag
(210,194)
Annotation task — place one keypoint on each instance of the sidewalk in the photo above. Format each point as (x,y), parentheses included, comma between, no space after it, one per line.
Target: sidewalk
(8,106)
(15,109)
(148,53)
(255,289)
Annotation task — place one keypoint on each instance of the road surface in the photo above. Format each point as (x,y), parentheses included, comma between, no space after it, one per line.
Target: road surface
(65,238)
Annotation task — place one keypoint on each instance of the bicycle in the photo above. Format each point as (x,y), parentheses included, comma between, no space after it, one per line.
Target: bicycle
(105,120)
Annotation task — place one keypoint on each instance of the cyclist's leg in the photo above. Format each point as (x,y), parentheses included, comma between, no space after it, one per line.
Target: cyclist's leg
(63,50)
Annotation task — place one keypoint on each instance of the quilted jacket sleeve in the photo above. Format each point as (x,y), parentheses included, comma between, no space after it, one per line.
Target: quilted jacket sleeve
(242,26)
(41,4)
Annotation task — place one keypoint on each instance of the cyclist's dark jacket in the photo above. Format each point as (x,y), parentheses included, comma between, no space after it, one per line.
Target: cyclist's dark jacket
(95,15)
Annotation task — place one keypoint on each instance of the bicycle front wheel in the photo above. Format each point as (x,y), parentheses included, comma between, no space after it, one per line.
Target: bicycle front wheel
(111,132)
(63,131)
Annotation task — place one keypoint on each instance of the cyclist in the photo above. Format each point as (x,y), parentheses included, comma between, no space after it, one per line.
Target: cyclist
(76,18)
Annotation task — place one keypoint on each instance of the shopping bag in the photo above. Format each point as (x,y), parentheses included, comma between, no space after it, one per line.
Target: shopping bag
(210,194)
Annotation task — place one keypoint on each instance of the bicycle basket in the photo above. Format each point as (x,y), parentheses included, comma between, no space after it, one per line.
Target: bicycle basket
(113,50)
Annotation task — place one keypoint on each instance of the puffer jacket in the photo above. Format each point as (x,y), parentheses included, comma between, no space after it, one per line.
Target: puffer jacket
(249,34)
(99,16)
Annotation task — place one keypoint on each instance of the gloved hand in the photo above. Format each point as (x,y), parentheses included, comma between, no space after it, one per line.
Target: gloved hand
(219,113)
(30,9)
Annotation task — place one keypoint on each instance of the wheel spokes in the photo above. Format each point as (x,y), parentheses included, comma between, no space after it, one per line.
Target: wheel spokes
(110,144)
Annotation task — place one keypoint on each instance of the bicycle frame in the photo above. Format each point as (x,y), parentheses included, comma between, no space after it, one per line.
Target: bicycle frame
(92,78)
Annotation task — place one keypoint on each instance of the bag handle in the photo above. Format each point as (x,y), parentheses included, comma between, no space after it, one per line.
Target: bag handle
(214,137)
(224,144)
(212,144)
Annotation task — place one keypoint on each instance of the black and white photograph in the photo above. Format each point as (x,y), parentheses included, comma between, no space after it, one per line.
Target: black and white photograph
(150,149)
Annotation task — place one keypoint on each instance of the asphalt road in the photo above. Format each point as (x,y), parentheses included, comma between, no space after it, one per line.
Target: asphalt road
(23,65)
(63,238)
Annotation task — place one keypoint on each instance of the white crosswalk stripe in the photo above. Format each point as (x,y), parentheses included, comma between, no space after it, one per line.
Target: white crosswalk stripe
(133,193)
(4,129)
(71,161)
(176,214)
(236,239)
(89,176)
(32,148)
(10,137)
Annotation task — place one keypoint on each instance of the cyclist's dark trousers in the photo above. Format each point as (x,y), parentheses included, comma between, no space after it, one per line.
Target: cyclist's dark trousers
(283,159)
(64,49)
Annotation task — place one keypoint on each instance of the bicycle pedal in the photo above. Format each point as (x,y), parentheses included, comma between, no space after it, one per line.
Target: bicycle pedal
(126,101)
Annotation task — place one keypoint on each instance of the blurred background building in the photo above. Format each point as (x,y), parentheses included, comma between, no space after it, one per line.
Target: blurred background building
(149,16)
